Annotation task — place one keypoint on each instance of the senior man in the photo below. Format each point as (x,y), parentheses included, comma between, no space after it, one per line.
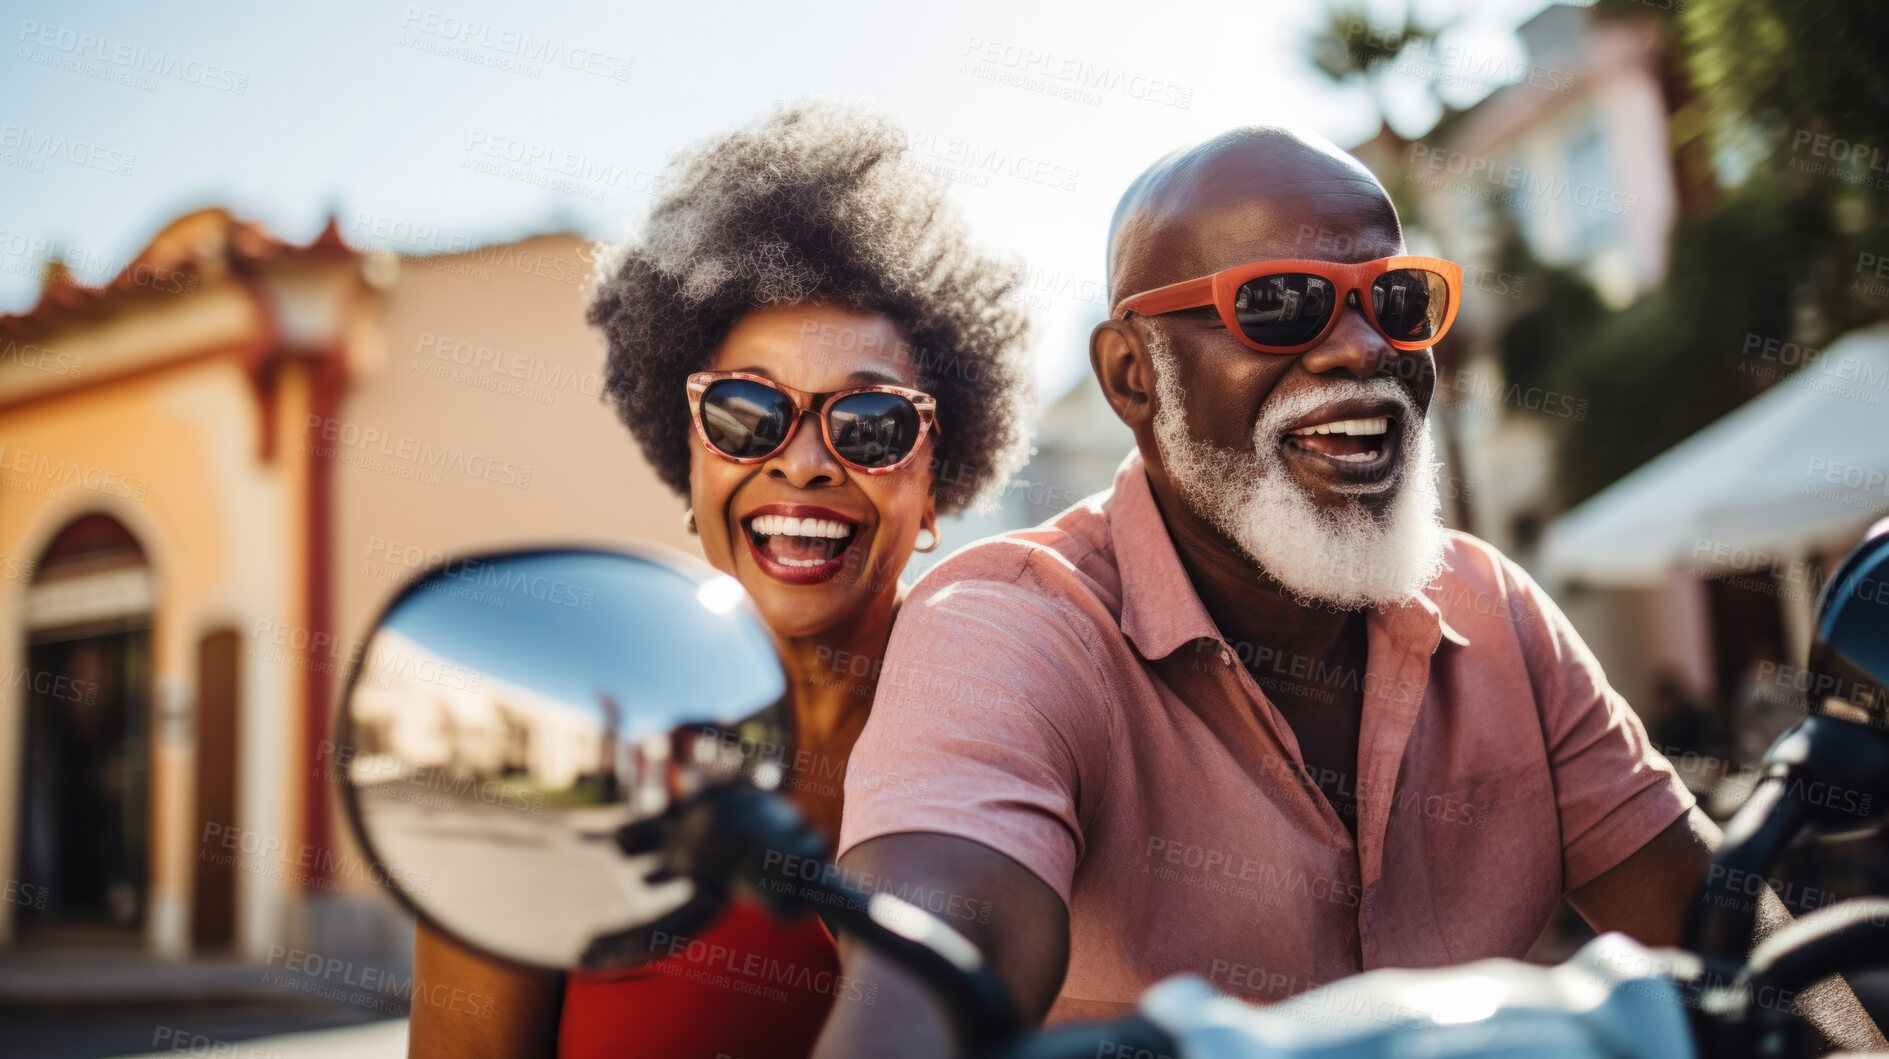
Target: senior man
(1253,713)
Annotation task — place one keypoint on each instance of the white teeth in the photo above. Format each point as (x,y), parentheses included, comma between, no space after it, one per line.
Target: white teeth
(784,561)
(1352,457)
(1353,427)
(781,525)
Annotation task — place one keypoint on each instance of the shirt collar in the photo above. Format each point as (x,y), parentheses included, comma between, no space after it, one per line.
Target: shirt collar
(1161,612)
(1443,625)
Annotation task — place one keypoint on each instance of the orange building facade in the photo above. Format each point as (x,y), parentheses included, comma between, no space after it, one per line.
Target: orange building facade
(213,472)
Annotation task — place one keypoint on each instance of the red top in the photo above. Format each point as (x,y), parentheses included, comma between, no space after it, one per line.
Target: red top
(747,988)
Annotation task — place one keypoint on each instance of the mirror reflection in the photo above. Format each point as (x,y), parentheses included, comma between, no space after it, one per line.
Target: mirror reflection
(511,713)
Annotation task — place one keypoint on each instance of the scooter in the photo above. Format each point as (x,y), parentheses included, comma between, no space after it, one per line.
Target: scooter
(568,758)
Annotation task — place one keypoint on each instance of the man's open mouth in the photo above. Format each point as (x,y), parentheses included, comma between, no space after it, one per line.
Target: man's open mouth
(1355,451)
(800,550)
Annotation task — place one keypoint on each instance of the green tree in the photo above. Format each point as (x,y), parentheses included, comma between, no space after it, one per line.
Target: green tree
(1772,254)
(1353,48)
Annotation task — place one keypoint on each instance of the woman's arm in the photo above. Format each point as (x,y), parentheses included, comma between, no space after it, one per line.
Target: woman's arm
(467,1006)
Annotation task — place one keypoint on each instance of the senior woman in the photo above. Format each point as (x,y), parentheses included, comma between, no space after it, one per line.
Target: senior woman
(809,352)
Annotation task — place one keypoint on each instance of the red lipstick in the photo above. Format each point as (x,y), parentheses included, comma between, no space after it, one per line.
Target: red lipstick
(800,544)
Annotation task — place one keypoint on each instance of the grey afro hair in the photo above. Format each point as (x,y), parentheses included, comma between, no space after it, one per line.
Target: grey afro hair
(817,202)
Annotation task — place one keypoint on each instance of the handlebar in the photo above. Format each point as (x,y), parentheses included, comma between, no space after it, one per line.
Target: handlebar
(1819,753)
(1843,938)
(729,836)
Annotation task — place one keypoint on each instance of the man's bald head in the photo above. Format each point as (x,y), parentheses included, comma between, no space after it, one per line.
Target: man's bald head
(1246,195)
(1343,520)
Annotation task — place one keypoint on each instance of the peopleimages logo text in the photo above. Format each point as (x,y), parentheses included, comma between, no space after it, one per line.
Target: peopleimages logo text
(1526,183)
(515,43)
(82,44)
(410,450)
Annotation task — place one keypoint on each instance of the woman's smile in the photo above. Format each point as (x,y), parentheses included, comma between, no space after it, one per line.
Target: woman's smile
(802,544)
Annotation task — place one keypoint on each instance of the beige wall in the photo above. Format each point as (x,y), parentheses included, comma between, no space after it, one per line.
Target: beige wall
(562,468)
(477,423)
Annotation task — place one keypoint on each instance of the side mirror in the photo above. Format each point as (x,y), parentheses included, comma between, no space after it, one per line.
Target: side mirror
(512,715)
(1849,657)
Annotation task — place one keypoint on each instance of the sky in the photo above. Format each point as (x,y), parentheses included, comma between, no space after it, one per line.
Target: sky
(431,126)
(572,624)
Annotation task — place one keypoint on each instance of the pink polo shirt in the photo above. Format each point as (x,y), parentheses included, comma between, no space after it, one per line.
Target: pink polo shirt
(1060,695)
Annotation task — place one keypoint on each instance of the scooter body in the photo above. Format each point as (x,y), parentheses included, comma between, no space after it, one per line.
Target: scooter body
(1615,999)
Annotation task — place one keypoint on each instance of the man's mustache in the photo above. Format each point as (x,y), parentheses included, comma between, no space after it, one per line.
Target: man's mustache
(1281,412)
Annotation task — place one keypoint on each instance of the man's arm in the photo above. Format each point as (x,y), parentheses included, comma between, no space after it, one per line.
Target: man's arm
(1649,895)
(989,725)
(1025,940)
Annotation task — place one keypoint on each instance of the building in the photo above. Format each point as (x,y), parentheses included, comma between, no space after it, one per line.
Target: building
(1574,161)
(214,471)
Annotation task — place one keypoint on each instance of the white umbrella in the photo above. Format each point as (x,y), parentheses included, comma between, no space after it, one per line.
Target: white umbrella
(1803,466)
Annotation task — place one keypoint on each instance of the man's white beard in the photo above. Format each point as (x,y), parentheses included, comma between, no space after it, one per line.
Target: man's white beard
(1347,557)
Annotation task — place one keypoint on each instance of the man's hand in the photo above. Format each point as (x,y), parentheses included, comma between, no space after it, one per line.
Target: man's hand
(1649,895)
(1025,940)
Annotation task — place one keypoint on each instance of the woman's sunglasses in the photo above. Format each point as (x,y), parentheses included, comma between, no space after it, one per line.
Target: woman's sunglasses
(1292,305)
(748,418)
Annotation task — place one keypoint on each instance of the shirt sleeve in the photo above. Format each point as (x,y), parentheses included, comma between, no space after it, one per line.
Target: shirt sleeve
(988,724)
(1613,790)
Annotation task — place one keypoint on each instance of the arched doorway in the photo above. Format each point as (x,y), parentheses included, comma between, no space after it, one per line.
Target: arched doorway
(85,796)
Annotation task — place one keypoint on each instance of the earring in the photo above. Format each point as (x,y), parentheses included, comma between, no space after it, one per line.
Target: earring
(927,540)
(688,521)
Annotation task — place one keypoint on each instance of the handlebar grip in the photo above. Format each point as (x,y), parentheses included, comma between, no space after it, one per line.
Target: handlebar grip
(1129,1037)
(1842,938)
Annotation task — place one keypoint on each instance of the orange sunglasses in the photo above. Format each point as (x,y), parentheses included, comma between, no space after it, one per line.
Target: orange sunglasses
(1291,305)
